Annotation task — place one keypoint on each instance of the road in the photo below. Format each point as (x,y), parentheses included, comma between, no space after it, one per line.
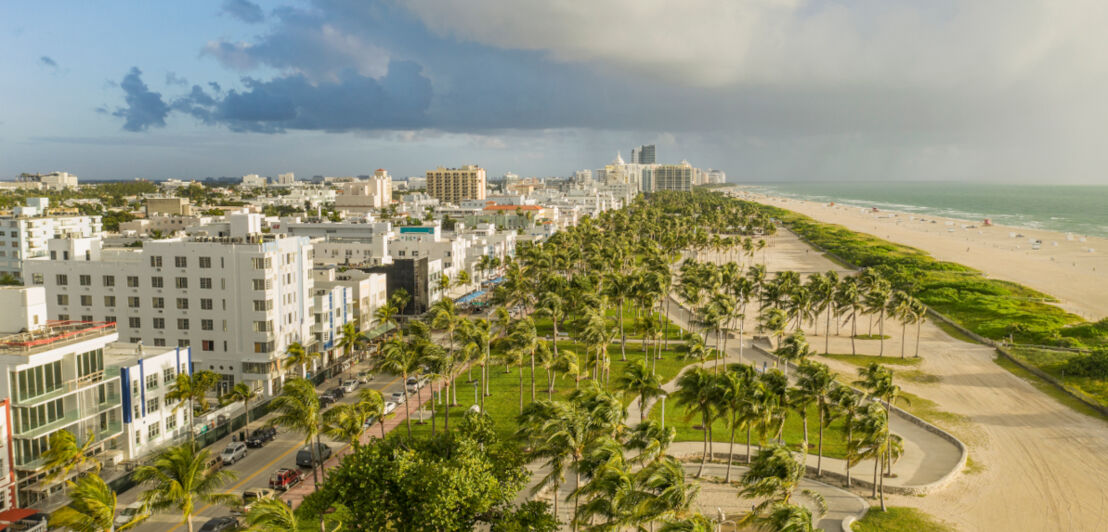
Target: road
(253,471)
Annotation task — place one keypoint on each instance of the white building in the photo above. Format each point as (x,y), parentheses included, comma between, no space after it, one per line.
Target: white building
(146,374)
(253,181)
(413,242)
(7,472)
(167,225)
(24,234)
(333,308)
(351,242)
(286,179)
(238,297)
(371,195)
(51,181)
(54,374)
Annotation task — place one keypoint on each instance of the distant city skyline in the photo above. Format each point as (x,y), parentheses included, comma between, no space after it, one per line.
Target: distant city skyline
(764,90)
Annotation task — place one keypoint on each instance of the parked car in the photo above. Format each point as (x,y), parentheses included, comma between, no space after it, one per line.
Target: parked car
(250,496)
(390,407)
(284,478)
(397,397)
(414,384)
(220,524)
(349,385)
(338,393)
(364,376)
(129,512)
(261,436)
(234,452)
(304,456)
(326,399)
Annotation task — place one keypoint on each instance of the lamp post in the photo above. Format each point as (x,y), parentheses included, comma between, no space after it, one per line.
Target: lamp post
(475,403)
(663,411)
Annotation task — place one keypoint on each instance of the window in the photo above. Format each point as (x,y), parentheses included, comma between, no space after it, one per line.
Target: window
(261,263)
(205,262)
(158,302)
(61,279)
(182,324)
(159,323)
(151,382)
(157,282)
(207,325)
(138,435)
(182,282)
(180,262)
(134,322)
(132,281)
(207,345)
(259,284)
(86,317)
(263,347)
(182,303)
(86,301)
(168,375)
(206,304)
(155,261)
(109,301)
(109,319)
(154,430)
(206,283)
(171,422)
(109,280)
(263,326)
(182,342)
(152,405)
(63,299)
(37,278)
(168,402)
(133,301)
(263,304)
(159,342)
(85,280)
(134,388)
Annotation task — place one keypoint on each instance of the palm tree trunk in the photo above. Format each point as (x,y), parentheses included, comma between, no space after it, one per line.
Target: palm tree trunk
(876,465)
(853,332)
(919,324)
(819,450)
(704,454)
(622,334)
(748,444)
(882,489)
(521,387)
(804,442)
(827,333)
(407,409)
(188,522)
(532,375)
(730,454)
(576,494)
(881,331)
(849,438)
(434,422)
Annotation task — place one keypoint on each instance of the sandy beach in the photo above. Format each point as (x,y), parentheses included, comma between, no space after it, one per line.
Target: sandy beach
(1072,268)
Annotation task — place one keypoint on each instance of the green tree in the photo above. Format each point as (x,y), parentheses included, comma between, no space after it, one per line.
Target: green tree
(179,478)
(244,393)
(639,381)
(192,388)
(697,391)
(92,508)
(297,409)
(400,358)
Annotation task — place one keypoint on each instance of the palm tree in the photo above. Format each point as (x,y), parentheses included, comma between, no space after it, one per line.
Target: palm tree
(298,356)
(373,403)
(92,508)
(773,322)
(399,358)
(844,403)
(385,315)
(877,300)
(525,339)
(346,422)
(773,476)
(669,496)
(297,408)
(873,442)
(563,438)
(194,389)
(271,515)
(919,315)
(63,454)
(794,349)
(848,301)
(735,392)
(179,478)
(814,385)
(786,518)
(619,287)
(349,338)
(480,338)
(446,319)
(638,380)
(697,390)
(463,279)
(244,393)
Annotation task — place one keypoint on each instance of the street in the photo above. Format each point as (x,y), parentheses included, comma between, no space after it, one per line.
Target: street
(254,470)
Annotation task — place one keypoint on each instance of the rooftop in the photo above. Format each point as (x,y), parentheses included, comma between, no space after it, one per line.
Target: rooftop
(55,334)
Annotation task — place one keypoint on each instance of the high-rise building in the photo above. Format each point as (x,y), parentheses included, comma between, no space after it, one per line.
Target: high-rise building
(452,185)
(645,154)
(286,179)
(672,177)
(636,156)
(237,296)
(25,233)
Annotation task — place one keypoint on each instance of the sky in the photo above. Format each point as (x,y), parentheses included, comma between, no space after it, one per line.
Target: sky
(1006,91)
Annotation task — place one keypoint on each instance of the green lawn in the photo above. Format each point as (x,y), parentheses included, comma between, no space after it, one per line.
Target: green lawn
(865,360)
(545,327)
(834,437)
(1053,362)
(1047,388)
(503,404)
(899,519)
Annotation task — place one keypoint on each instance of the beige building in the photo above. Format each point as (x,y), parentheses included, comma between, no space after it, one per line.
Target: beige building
(452,185)
(673,177)
(365,196)
(169,206)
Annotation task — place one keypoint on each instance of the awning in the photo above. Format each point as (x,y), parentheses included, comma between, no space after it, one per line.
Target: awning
(15,515)
(470,296)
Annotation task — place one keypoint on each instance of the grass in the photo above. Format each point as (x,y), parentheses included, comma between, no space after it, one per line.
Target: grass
(928,410)
(899,519)
(918,377)
(503,404)
(834,437)
(1048,388)
(1053,363)
(871,337)
(545,327)
(973,467)
(865,360)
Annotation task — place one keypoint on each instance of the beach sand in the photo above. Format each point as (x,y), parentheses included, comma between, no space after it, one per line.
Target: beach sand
(1063,267)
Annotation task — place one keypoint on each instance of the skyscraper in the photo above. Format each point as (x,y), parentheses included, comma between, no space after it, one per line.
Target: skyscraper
(452,185)
(646,155)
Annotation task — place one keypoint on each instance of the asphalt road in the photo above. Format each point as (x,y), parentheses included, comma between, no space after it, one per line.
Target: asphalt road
(253,471)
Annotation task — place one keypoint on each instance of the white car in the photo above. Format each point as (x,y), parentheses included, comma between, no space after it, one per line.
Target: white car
(349,385)
(233,453)
(129,512)
(389,407)
(397,397)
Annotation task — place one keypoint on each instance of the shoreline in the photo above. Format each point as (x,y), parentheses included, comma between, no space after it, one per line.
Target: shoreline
(1062,266)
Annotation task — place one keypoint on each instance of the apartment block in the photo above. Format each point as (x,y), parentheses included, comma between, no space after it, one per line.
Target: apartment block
(150,420)
(24,234)
(452,185)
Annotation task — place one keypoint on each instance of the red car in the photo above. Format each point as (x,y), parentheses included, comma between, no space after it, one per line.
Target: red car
(283,479)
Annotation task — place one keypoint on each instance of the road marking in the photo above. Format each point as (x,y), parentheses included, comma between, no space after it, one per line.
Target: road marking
(265,467)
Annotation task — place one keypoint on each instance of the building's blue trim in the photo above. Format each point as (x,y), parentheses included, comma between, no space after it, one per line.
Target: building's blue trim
(142,386)
(125,380)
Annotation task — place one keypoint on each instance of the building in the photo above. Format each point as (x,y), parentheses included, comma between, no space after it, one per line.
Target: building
(370,291)
(672,177)
(428,241)
(286,179)
(164,224)
(54,375)
(51,181)
(643,154)
(237,296)
(419,277)
(24,234)
(168,207)
(350,242)
(7,472)
(452,185)
(715,177)
(370,195)
(253,181)
(150,420)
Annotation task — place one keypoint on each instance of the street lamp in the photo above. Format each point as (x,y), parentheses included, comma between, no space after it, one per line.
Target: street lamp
(475,393)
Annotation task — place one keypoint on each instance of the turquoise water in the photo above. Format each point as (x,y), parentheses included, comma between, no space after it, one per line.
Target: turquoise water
(1080,209)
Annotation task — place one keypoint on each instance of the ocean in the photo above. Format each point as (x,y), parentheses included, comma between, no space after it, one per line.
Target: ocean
(1079,209)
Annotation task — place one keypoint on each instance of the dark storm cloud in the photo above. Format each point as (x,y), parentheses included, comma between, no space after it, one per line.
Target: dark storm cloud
(144,109)
(244,10)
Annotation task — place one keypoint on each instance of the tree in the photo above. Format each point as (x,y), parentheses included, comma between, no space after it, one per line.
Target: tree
(848,301)
(697,391)
(445,318)
(399,358)
(241,392)
(298,356)
(179,478)
(194,389)
(92,508)
(844,403)
(903,309)
(814,385)
(373,403)
(63,454)
(773,323)
(873,442)
(349,338)
(877,300)
(639,381)
(773,477)
(297,408)
(346,422)
(271,515)
(786,518)
(735,390)
(794,349)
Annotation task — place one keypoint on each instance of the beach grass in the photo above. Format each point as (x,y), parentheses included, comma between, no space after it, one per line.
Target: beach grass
(899,519)
(865,360)
(1053,362)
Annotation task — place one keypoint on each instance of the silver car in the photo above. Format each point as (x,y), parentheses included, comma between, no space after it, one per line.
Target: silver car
(233,453)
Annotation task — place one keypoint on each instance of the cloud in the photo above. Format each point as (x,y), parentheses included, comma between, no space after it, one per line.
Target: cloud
(171,78)
(145,109)
(244,10)
(48,61)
